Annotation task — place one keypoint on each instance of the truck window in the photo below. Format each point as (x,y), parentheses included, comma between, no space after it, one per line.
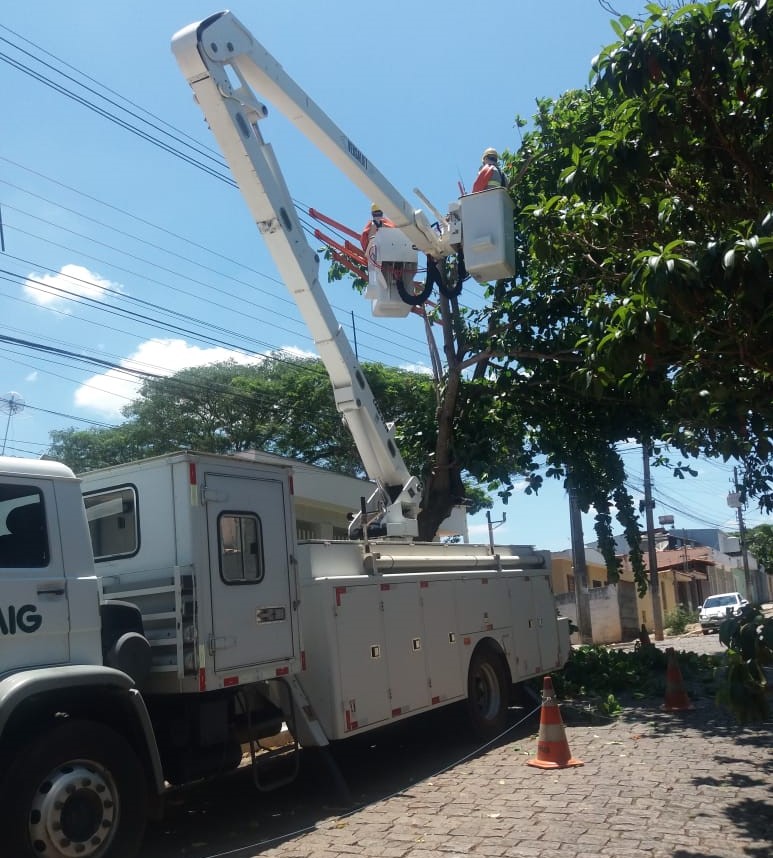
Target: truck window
(113,522)
(240,543)
(23,536)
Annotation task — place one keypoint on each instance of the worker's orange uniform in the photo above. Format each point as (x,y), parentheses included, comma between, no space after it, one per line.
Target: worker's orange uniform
(370,229)
(489,176)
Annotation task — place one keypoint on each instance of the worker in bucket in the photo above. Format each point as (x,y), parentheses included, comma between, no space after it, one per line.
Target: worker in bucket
(490,175)
(377,220)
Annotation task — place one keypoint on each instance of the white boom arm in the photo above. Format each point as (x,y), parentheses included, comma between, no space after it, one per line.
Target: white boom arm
(206,52)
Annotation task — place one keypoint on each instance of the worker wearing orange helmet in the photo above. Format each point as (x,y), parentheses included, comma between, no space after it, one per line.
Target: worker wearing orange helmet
(490,175)
(377,220)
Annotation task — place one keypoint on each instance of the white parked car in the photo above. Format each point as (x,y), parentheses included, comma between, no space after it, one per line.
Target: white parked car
(718,608)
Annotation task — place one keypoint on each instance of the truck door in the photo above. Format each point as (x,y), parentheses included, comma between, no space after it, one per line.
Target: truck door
(249,552)
(34,613)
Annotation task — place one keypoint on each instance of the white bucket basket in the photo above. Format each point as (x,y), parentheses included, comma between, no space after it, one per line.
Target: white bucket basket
(487,235)
(391,257)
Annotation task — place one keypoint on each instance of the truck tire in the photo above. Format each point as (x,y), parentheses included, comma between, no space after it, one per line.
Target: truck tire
(488,686)
(76,790)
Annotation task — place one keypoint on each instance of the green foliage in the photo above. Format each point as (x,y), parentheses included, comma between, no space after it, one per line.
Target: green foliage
(643,302)
(601,675)
(641,308)
(744,687)
(759,541)
(677,619)
(281,405)
(610,706)
(600,671)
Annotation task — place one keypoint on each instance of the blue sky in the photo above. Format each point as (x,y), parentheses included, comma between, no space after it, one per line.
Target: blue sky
(120,249)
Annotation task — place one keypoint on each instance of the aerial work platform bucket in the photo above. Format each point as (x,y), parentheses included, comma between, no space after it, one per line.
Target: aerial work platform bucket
(391,257)
(488,239)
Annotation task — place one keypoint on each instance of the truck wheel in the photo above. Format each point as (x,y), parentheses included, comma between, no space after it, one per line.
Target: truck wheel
(77,790)
(487,693)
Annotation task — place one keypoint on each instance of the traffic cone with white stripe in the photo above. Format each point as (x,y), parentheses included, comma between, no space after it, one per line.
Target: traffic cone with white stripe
(552,748)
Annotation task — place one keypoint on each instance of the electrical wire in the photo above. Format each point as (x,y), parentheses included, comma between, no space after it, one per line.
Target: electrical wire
(206,285)
(19,37)
(133,114)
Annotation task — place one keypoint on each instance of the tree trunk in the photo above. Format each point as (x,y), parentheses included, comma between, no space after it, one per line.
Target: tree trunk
(443,488)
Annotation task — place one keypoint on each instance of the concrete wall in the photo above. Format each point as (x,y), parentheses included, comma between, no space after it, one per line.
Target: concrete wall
(604,613)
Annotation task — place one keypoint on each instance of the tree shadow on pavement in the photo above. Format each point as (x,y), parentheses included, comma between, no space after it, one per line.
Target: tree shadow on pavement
(752,817)
(706,717)
(230,816)
(755,819)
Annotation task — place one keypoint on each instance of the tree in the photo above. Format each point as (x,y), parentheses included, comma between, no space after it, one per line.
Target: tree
(88,449)
(282,405)
(641,307)
(759,541)
(644,232)
(642,303)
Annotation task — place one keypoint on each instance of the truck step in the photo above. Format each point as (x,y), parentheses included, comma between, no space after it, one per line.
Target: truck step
(275,764)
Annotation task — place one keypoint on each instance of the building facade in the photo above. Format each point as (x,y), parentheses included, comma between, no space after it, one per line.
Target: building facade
(691,566)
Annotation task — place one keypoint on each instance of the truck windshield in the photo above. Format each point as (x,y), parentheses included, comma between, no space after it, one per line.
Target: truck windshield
(720,601)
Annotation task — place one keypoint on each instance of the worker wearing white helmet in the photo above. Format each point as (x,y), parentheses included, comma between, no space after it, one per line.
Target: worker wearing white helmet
(490,175)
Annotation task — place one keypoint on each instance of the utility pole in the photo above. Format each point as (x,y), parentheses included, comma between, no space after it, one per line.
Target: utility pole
(649,504)
(491,528)
(580,569)
(738,503)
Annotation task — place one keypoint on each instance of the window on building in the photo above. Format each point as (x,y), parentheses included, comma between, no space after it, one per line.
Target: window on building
(595,583)
(113,522)
(240,542)
(23,536)
(570,583)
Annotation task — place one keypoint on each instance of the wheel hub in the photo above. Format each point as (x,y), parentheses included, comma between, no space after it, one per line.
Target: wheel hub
(73,812)
(487,696)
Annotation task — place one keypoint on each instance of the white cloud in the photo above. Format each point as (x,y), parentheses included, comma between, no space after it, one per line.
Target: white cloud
(419,368)
(32,377)
(109,391)
(72,280)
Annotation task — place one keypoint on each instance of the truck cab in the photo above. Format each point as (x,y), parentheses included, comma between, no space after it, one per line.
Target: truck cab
(49,607)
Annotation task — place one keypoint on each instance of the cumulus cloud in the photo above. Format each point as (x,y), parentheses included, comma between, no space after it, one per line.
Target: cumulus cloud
(419,368)
(109,391)
(72,281)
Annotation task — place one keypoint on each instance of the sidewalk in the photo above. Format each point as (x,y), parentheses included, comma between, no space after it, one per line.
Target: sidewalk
(654,785)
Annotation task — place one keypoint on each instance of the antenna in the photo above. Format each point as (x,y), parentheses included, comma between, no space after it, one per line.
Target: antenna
(10,404)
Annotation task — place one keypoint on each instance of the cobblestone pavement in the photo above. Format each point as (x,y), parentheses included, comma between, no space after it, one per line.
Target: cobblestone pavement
(653,784)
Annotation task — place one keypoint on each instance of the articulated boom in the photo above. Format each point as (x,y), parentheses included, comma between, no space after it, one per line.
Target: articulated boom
(206,52)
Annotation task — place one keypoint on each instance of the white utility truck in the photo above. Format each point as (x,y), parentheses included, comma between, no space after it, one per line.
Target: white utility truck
(159,619)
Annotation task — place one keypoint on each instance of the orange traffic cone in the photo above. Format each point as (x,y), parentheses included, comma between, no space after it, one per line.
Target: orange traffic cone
(552,748)
(676,696)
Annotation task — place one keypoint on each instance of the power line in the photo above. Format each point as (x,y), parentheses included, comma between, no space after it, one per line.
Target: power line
(204,284)
(106,114)
(131,113)
(19,36)
(148,136)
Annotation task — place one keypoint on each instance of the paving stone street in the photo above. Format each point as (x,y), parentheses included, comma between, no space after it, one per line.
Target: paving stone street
(653,785)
